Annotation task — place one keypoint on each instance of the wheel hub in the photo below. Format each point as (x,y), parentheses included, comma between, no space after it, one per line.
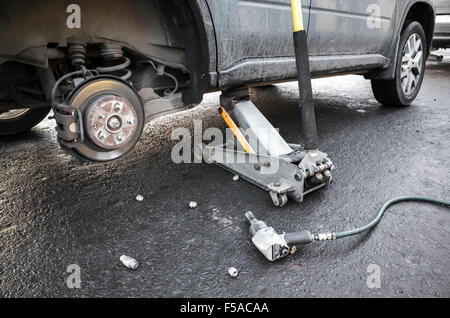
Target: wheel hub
(111,121)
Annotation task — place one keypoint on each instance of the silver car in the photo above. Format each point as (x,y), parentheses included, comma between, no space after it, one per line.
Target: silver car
(154,57)
(442,31)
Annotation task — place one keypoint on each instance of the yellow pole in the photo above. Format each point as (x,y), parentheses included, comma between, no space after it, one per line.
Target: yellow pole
(236,131)
(297,15)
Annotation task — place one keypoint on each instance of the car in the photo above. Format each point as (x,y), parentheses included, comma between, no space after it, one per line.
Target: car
(441,38)
(107,68)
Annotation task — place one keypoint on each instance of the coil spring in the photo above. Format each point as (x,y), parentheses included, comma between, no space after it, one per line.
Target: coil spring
(113,54)
(77,54)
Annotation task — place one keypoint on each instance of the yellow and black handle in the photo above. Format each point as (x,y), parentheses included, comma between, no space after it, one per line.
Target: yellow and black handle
(308,117)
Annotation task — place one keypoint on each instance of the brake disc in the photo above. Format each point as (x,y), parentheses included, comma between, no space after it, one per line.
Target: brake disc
(113,118)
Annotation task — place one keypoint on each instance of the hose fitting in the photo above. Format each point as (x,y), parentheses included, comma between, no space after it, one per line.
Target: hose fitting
(324,237)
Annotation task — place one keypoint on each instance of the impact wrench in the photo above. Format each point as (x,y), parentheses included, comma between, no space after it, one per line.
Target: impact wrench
(275,246)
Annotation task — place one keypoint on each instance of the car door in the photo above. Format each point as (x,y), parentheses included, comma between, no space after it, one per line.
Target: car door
(350,26)
(253,29)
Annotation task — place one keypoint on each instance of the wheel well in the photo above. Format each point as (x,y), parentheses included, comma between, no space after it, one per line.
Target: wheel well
(189,30)
(416,13)
(169,32)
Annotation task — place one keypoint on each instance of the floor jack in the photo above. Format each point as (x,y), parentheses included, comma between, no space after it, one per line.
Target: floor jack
(266,159)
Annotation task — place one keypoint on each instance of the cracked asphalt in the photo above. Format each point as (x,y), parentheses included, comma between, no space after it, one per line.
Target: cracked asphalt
(54,213)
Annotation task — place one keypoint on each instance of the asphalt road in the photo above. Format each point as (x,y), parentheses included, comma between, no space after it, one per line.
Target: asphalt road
(53,213)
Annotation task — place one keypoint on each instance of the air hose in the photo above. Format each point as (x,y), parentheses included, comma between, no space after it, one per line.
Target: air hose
(384,208)
(276,246)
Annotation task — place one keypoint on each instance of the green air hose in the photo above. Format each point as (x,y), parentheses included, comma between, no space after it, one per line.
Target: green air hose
(384,208)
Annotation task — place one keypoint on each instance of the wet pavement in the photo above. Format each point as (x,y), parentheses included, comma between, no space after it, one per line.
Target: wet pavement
(54,214)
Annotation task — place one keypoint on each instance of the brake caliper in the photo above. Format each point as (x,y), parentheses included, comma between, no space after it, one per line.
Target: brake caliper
(69,125)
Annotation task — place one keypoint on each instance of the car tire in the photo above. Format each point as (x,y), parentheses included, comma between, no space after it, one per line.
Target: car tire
(15,122)
(409,72)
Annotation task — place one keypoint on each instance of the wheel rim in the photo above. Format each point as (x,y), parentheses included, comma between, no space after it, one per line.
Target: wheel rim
(12,114)
(412,63)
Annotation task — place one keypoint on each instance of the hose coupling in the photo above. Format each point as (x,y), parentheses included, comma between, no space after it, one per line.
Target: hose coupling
(324,237)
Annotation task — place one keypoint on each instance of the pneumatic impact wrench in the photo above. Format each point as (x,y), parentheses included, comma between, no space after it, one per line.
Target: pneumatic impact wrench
(272,245)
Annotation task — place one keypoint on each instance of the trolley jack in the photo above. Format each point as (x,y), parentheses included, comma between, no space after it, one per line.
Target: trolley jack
(264,158)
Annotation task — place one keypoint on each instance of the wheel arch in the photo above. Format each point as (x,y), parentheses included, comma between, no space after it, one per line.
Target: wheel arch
(413,12)
(200,43)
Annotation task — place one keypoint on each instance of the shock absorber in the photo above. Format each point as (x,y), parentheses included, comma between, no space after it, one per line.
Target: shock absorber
(77,54)
(116,63)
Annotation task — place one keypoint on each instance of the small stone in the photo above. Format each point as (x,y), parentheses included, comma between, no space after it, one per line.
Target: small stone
(236,178)
(139,198)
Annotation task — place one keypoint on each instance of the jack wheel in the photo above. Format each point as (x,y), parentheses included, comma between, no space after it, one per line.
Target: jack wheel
(279,200)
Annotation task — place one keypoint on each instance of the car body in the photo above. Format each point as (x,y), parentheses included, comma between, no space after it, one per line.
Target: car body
(232,41)
(442,29)
(339,33)
(202,45)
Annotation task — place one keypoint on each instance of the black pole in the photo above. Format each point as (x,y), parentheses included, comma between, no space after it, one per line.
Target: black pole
(307,109)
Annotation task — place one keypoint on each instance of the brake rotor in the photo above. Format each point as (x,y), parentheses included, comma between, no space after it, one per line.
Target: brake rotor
(113,118)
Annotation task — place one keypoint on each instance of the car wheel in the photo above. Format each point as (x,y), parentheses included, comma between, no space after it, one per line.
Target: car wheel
(409,72)
(19,120)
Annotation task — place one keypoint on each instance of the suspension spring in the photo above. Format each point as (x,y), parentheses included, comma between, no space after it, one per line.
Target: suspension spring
(116,61)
